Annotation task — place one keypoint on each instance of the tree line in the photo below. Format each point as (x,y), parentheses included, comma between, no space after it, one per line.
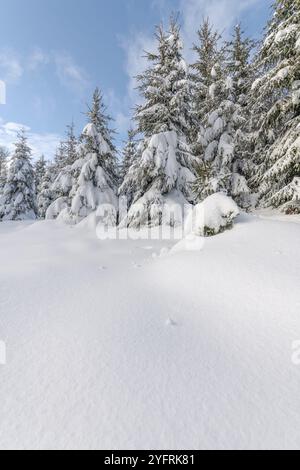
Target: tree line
(229,122)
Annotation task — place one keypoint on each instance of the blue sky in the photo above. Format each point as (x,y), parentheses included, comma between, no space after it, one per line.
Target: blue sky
(53,53)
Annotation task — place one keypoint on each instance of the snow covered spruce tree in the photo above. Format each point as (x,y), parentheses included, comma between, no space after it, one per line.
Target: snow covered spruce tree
(162,175)
(59,159)
(240,68)
(4,155)
(18,201)
(220,134)
(95,188)
(70,146)
(276,111)
(39,172)
(65,171)
(45,194)
(129,154)
(208,53)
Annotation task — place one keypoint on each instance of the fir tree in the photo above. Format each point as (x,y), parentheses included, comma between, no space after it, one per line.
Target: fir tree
(59,159)
(221,135)
(45,196)
(165,169)
(65,172)
(4,155)
(240,68)
(19,201)
(276,111)
(208,53)
(129,154)
(39,172)
(70,146)
(97,180)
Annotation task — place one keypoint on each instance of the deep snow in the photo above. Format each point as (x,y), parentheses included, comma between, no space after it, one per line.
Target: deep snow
(110,347)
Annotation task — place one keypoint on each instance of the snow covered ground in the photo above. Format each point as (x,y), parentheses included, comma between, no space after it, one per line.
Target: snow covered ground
(110,347)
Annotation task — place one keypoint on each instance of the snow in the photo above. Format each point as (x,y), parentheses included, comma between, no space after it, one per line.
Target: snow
(285,32)
(57,207)
(189,350)
(214,215)
(164,179)
(282,74)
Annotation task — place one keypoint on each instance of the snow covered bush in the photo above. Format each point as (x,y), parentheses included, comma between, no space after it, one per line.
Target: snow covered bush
(214,215)
(18,201)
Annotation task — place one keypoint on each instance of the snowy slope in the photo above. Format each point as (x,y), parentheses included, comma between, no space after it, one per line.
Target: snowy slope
(110,347)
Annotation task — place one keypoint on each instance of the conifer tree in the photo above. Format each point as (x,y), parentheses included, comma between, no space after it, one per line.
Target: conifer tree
(208,53)
(71,146)
(65,171)
(97,180)
(39,172)
(45,195)
(4,155)
(220,137)
(165,169)
(276,111)
(59,159)
(18,201)
(129,154)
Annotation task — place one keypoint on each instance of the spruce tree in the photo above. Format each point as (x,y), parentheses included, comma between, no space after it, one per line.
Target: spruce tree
(97,180)
(45,195)
(208,53)
(39,172)
(18,201)
(240,68)
(276,111)
(220,137)
(66,157)
(163,173)
(4,155)
(59,162)
(129,154)
(71,146)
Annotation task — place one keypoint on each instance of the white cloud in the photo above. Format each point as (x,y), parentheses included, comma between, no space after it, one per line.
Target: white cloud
(69,73)
(11,69)
(136,61)
(45,144)
(37,59)
(222,13)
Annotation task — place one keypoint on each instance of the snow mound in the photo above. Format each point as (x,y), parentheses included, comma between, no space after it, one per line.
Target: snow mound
(189,243)
(55,209)
(214,215)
